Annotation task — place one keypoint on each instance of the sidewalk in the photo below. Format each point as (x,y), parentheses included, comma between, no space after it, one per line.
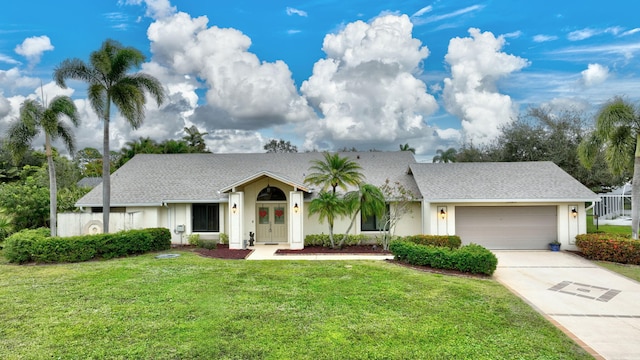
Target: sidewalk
(267,252)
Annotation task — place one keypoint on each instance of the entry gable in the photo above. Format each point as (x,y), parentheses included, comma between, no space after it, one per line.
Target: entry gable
(279,177)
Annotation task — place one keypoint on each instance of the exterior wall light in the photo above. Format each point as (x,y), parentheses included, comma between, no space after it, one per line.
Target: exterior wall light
(296,208)
(234,209)
(443,214)
(574,212)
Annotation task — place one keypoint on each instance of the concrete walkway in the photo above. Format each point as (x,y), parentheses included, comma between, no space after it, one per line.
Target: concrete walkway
(267,252)
(596,307)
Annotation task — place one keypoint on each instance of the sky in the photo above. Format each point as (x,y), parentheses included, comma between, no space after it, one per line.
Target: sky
(328,74)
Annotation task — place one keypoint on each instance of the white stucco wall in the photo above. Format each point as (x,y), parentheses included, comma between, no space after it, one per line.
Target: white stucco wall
(567,226)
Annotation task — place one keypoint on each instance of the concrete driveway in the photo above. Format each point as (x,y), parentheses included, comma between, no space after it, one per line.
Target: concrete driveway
(596,307)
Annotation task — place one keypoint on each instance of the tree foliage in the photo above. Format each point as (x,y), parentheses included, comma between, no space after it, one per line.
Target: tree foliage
(543,135)
(445,156)
(617,132)
(334,171)
(400,199)
(280,146)
(109,83)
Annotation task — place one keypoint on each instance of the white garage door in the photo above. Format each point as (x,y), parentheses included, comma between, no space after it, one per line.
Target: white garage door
(507,227)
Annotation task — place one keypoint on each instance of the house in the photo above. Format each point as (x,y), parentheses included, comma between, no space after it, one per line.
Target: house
(498,205)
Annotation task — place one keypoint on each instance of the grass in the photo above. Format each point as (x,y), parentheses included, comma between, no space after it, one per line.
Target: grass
(628,270)
(192,307)
(611,229)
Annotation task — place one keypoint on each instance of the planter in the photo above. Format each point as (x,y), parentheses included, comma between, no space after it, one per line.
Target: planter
(554,247)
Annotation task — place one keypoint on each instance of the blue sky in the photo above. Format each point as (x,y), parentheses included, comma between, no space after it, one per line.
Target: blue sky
(328,74)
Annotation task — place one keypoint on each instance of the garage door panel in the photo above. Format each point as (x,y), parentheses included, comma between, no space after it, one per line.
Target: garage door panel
(507,227)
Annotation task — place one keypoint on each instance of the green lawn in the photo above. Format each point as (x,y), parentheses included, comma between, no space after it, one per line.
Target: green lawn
(192,307)
(611,229)
(630,271)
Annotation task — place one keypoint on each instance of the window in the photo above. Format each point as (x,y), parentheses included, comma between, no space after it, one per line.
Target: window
(206,217)
(373,223)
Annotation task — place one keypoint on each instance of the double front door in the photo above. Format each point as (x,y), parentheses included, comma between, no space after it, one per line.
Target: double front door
(272,222)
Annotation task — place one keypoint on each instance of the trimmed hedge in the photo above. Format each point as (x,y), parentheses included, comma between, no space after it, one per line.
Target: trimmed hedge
(450,241)
(37,246)
(323,240)
(609,247)
(471,258)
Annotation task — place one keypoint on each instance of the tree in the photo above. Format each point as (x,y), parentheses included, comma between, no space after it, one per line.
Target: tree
(400,200)
(6,225)
(26,201)
(109,83)
(445,156)
(89,161)
(368,200)
(328,206)
(406,147)
(34,117)
(280,146)
(334,171)
(618,131)
(195,139)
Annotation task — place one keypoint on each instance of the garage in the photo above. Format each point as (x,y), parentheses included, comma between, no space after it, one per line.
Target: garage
(507,227)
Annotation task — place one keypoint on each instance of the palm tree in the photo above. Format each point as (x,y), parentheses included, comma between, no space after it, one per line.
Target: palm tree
(195,139)
(445,156)
(406,147)
(334,171)
(618,130)
(328,206)
(109,83)
(34,117)
(368,200)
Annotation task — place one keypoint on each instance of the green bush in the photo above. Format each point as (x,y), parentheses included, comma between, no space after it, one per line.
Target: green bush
(323,240)
(194,239)
(471,258)
(450,241)
(609,247)
(224,238)
(19,247)
(208,244)
(36,245)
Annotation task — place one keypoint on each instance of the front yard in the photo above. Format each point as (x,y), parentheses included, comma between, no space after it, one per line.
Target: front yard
(193,307)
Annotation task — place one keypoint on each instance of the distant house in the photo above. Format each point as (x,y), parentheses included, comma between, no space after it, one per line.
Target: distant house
(498,205)
(89,182)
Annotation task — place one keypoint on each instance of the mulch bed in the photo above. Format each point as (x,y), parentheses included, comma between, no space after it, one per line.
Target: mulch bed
(355,249)
(223,252)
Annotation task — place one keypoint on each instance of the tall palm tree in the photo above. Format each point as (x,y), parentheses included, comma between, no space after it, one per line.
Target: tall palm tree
(445,156)
(367,200)
(34,117)
(195,139)
(406,147)
(618,131)
(334,171)
(109,83)
(328,206)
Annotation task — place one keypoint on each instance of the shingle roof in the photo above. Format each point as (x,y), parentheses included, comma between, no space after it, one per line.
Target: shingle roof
(503,182)
(153,179)
(89,181)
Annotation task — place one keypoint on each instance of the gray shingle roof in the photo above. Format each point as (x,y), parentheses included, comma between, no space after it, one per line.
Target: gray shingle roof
(152,179)
(516,181)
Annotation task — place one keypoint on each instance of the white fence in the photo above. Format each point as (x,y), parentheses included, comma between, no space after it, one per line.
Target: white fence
(612,206)
(72,224)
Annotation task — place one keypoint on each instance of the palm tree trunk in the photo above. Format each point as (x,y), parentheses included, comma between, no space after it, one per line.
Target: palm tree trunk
(53,191)
(333,245)
(635,192)
(346,233)
(106,172)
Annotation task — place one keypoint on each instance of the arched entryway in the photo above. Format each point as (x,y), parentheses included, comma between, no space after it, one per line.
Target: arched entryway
(271,207)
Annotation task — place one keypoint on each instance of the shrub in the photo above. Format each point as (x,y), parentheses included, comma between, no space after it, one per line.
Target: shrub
(609,247)
(224,238)
(471,258)
(35,245)
(208,244)
(323,240)
(450,241)
(19,247)
(194,239)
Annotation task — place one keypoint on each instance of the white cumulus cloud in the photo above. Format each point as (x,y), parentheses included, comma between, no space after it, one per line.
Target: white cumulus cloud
(293,11)
(471,94)
(32,48)
(366,88)
(156,9)
(594,75)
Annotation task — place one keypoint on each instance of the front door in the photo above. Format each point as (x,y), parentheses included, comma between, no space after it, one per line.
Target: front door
(272,223)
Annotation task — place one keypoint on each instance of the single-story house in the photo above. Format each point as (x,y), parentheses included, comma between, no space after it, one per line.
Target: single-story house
(522,205)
